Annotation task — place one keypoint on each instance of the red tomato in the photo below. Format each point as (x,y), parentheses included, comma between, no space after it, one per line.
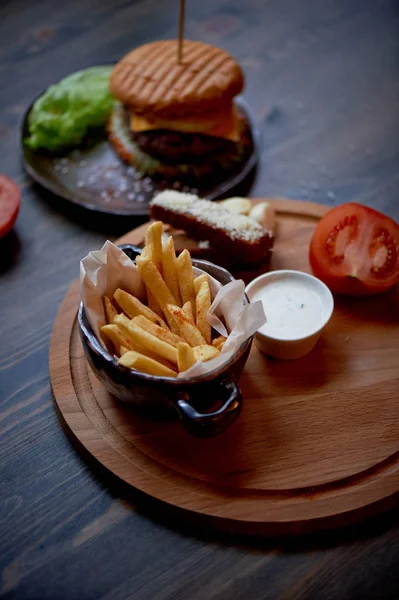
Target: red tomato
(10,199)
(355,250)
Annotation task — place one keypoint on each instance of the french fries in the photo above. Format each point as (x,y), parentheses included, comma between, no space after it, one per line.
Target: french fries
(133,307)
(187,330)
(152,251)
(185,356)
(110,310)
(123,323)
(219,342)
(162,334)
(150,342)
(204,353)
(188,310)
(198,281)
(153,305)
(118,337)
(186,278)
(139,362)
(169,269)
(202,305)
(171,333)
(156,285)
(153,243)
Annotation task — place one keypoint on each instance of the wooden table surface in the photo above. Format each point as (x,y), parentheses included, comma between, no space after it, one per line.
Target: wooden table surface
(323,77)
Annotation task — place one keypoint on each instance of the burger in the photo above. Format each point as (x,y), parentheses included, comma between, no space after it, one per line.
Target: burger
(178,119)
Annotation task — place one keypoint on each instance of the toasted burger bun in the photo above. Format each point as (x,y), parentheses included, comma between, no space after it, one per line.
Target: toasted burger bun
(150,80)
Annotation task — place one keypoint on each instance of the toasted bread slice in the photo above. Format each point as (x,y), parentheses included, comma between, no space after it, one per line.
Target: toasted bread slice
(235,235)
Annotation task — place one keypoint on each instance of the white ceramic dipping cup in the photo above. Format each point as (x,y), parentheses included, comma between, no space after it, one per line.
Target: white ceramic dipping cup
(297,306)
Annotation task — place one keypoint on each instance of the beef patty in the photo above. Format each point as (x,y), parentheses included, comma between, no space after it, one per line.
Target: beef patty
(178,147)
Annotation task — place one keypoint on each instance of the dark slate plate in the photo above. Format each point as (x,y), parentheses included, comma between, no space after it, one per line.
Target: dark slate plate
(93,176)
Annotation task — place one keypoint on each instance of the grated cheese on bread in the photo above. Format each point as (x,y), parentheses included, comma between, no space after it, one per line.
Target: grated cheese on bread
(235,234)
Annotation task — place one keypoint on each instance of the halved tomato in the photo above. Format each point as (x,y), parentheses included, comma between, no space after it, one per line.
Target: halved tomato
(10,199)
(355,250)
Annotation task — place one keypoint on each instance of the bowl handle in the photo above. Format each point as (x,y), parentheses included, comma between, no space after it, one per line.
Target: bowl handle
(213,423)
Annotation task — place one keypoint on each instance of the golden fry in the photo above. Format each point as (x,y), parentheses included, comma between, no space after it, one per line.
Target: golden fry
(152,251)
(124,324)
(202,304)
(152,343)
(133,307)
(118,337)
(185,356)
(146,252)
(198,281)
(153,305)
(153,243)
(204,353)
(187,330)
(110,310)
(139,362)
(219,342)
(188,310)
(162,334)
(123,350)
(169,269)
(155,284)
(186,278)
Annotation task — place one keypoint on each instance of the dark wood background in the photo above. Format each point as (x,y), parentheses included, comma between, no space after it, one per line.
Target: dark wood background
(323,76)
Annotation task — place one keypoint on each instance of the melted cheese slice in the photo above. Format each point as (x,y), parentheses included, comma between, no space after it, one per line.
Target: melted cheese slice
(225,125)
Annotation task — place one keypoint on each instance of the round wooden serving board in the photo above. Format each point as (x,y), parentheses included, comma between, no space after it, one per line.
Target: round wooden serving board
(316,446)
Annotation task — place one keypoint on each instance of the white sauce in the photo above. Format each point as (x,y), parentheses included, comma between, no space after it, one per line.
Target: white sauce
(292,308)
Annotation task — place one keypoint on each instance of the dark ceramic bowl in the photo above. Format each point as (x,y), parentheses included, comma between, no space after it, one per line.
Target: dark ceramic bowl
(189,397)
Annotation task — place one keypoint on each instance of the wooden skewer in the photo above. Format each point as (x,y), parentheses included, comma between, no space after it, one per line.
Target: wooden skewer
(181,31)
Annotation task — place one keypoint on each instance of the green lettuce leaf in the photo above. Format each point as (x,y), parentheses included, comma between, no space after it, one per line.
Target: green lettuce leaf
(60,118)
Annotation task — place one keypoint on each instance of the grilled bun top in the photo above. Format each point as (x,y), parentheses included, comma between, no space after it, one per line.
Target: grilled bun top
(150,80)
